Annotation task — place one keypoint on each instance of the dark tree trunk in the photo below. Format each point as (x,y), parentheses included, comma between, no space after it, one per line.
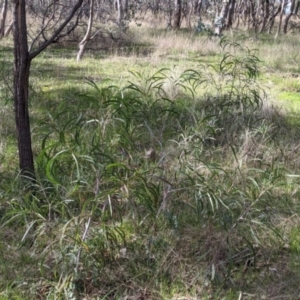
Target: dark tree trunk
(198,6)
(177,14)
(266,13)
(287,18)
(22,61)
(272,17)
(252,19)
(126,9)
(21,83)
(230,17)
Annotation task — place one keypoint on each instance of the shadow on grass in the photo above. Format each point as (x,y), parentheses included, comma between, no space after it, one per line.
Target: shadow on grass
(148,261)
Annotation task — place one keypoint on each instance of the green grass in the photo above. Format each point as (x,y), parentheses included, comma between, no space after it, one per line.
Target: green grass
(153,181)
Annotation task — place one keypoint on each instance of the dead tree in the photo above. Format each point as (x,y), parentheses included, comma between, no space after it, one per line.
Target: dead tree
(177,14)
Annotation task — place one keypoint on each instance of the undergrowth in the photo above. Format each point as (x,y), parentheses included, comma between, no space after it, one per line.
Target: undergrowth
(176,185)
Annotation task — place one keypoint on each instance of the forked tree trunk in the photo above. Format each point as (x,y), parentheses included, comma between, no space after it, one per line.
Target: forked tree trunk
(177,14)
(272,17)
(21,84)
(266,15)
(3,18)
(22,61)
(287,18)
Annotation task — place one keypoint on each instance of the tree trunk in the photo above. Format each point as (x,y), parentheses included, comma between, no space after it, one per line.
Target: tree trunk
(254,10)
(88,34)
(21,84)
(280,18)
(126,9)
(266,12)
(220,20)
(189,15)
(9,28)
(3,18)
(22,61)
(297,7)
(272,17)
(120,13)
(287,18)
(177,14)
(230,16)
(251,19)
(198,6)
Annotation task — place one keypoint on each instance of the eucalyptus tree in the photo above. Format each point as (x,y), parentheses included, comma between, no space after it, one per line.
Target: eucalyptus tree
(177,14)
(220,20)
(88,35)
(283,3)
(54,21)
(257,15)
(120,8)
(289,14)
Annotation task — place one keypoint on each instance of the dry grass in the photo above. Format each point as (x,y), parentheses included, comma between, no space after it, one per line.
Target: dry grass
(168,42)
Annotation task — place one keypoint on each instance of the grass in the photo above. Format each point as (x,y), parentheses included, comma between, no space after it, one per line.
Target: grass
(163,172)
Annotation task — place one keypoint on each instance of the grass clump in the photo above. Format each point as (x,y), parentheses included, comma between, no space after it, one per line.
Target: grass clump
(169,184)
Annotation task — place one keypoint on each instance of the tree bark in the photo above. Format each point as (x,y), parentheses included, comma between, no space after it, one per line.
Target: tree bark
(198,6)
(297,7)
(230,16)
(177,14)
(88,34)
(9,28)
(287,18)
(189,15)
(220,20)
(21,84)
(272,17)
(22,61)
(126,9)
(120,13)
(266,13)
(280,18)
(3,18)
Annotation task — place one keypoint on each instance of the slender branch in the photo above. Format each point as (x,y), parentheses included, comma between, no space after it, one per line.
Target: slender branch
(57,32)
(42,31)
(68,31)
